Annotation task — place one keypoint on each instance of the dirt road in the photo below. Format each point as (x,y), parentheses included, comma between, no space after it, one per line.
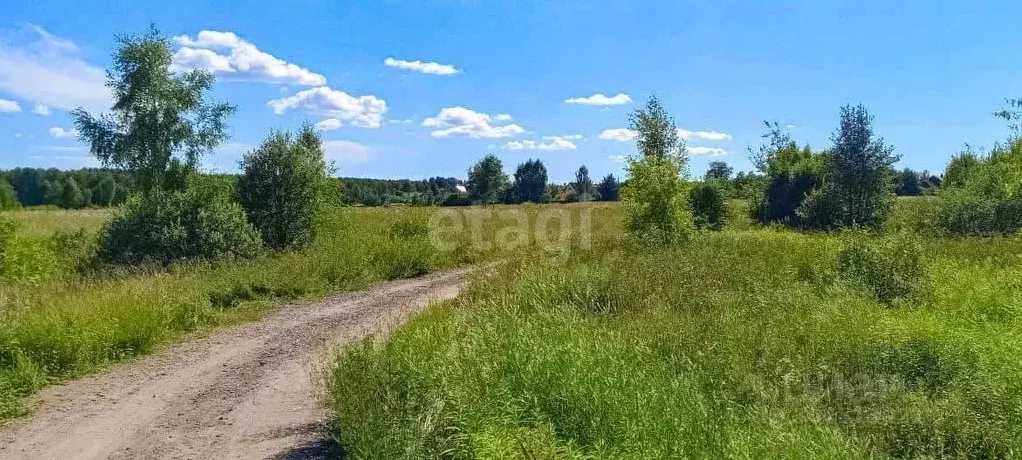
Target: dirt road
(247,392)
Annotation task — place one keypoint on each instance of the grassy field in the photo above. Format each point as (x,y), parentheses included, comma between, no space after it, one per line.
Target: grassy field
(60,324)
(746,343)
(43,222)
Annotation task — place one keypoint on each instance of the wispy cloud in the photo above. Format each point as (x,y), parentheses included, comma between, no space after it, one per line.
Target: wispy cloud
(552,143)
(704,135)
(617,134)
(59,132)
(434,68)
(345,152)
(7,106)
(600,99)
(707,151)
(45,69)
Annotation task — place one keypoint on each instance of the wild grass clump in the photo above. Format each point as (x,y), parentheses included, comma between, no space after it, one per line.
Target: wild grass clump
(888,268)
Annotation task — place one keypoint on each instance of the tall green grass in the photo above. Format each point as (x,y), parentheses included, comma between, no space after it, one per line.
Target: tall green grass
(743,344)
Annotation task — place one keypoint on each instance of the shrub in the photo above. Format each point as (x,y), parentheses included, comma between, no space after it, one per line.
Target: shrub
(888,268)
(791,175)
(709,205)
(984,198)
(281,186)
(198,223)
(656,202)
(76,250)
(820,209)
(8,197)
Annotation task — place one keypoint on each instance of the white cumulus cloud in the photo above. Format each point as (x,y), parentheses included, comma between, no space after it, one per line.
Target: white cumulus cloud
(362,111)
(36,66)
(553,143)
(705,135)
(434,68)
(708,151)
(228,56)
(460,121)
(9,106)
(41,109)
(600,99)
(617,134)
(59,132)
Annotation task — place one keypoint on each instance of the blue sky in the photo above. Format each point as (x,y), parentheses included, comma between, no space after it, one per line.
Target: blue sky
(495,76)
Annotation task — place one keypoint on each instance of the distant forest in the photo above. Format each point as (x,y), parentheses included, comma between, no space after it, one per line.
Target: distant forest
(95,187)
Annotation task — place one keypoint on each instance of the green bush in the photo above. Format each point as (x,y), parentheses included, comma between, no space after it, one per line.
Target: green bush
(8,197)
(76,250)
(888,268)
(819,210)
(198,223)
(657,202)
(709,205)
(281,186)
(985,197)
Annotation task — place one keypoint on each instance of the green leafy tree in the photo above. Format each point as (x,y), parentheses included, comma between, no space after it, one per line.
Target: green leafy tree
(8,197)
(29,184)
(960,169)
(160,123)
(857,189)
(609,188)
(486,180)
(531,182)
(718,170)
(71,194)
(281,187)
(791,175)
(583,185)
(656,132)
(909,183)
(709,205)
(53,192)
(775,141)
(656,196)
(159,128)
(105,192)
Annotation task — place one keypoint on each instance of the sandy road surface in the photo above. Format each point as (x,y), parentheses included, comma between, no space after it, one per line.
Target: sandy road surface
(246,392)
